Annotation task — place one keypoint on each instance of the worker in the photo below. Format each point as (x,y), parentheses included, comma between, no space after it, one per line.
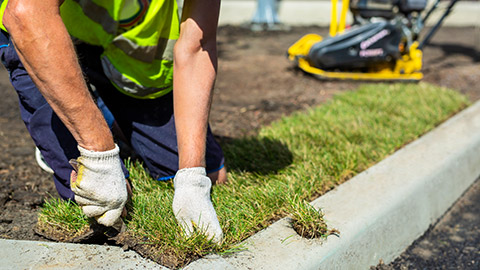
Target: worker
(152,71)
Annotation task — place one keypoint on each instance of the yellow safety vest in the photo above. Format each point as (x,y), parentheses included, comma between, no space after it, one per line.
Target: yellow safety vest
(139,61)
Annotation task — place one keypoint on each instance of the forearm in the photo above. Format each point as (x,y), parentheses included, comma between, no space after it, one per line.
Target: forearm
(47,52)
(192,95)
(194,75)
(192,105)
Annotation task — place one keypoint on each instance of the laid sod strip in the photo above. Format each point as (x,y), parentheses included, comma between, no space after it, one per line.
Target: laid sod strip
(293,160)
(62,220)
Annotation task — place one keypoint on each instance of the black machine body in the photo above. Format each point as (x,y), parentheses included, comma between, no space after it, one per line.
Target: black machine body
(362,46)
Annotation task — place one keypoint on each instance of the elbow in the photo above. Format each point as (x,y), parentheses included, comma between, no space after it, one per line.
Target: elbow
(186,51)
(13,17)
(17,16)
(183,52)
(190,47)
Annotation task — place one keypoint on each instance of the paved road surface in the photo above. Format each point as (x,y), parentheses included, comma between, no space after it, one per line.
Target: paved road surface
(452,243)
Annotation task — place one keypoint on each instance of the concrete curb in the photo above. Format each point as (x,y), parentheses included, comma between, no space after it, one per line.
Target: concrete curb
(19,254)
(380,212)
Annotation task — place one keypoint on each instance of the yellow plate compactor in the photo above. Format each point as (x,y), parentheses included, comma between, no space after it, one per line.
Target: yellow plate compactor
(382,43)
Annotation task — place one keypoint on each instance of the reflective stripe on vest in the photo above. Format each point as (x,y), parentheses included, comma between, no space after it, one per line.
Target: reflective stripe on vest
(162,50)
(99,15)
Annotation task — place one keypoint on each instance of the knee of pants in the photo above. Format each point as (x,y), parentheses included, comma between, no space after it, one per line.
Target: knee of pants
(56,144)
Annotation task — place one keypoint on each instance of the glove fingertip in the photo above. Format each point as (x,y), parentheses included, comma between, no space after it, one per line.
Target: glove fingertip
(93,210)
(186,226)
(109,218)
(214,231)
(217,239)
(80,200)
(218,236)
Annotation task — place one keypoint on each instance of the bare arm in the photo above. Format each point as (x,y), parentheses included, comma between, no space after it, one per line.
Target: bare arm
(195,67)
(47,52)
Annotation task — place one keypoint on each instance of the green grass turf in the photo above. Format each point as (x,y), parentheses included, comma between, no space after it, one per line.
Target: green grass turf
(293,160)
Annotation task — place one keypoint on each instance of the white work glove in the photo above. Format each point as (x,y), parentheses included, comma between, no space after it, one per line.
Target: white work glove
(192,205)
(99,184)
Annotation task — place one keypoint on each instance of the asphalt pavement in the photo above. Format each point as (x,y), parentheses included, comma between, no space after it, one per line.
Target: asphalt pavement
(451,243)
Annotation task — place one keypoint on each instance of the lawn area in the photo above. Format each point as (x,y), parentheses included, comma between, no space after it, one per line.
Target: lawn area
(295,159)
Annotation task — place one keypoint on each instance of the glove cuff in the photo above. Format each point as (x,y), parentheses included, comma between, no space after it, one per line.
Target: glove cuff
(192,171)
(100,155)
(190,177)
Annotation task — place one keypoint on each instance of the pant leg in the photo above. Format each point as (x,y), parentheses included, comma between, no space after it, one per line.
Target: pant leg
(50,135)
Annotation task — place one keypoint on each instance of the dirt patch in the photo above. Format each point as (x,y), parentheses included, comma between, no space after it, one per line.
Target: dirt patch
(256,85)
(23,185)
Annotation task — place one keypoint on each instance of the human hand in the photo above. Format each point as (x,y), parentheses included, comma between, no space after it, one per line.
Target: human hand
(99,184)
(192,205)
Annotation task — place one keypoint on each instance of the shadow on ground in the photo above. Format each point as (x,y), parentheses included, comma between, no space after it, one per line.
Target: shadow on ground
(255,155)
(453,50)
